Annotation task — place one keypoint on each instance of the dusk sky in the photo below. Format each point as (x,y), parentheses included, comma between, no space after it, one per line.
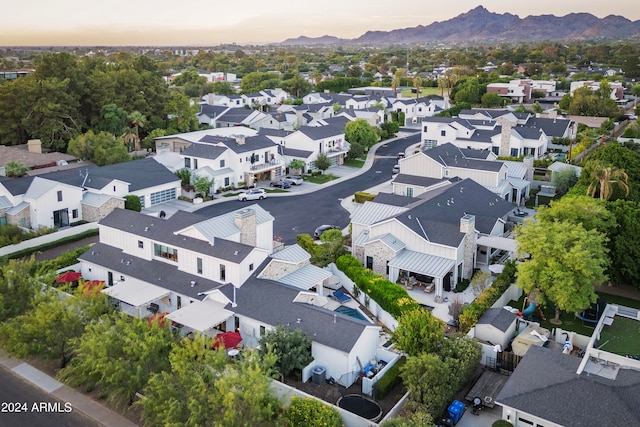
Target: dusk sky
(202,22)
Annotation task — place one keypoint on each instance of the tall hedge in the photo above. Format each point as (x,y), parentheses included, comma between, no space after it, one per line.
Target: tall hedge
(471,313)
(392,297)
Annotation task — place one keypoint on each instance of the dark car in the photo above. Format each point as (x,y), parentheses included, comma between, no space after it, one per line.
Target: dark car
(323,228)
(281,183)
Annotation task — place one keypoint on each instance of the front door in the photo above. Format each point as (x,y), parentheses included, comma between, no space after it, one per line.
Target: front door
(61,218)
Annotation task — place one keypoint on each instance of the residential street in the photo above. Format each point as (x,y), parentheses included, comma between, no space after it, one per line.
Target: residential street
(303,213)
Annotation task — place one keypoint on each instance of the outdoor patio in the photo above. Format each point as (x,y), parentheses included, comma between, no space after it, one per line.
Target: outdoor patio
(441,309)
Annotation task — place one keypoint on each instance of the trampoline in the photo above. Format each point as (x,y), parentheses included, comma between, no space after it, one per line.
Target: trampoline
(361,406)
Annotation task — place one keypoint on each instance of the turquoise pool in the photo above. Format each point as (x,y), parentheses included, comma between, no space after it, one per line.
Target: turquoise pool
(351,312)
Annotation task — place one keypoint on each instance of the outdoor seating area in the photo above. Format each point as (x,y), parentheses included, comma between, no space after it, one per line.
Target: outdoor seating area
(427,287)
(341,297)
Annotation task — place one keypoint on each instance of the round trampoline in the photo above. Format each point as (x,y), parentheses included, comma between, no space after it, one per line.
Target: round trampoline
(360,405)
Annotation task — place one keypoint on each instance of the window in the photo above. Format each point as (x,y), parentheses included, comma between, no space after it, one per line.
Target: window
(199,262)
(140,244)
(263,330)
(74,213)
(195,163)
(409,192)
(525,421)
(114,188)
(446,172)
(227,182)
(187,162)
(3,221)
(163,196)
(223,273)
(165,252)
(251,267)
(60,195)
(443,133)
(370,262)
(222,163)
(515,152)
(179,302)
(142,201)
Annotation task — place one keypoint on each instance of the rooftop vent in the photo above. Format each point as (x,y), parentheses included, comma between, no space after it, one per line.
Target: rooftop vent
(193,283)
(298,320)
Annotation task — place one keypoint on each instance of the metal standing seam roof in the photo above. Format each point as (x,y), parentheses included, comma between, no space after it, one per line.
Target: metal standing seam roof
(18,208)
(4,202)
(136,294)
(201,315)
(293,254)
(306,277)
(418,262)
(94,199)
(224,226)
(515,169)
(372,212)
(390,240)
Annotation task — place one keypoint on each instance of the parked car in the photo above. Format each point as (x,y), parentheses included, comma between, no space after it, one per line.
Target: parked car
(318,232)
(255,194)
(396,169)
(281,183)
(401,155)
(295,179)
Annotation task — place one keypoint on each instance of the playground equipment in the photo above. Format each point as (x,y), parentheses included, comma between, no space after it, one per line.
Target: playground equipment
(527,313)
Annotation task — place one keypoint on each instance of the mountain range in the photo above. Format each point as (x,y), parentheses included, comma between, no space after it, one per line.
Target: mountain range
(479,25)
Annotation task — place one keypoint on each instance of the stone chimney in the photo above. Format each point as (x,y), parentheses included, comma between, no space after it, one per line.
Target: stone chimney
(468,227)
(34,146)
(528,164)
(240,139)
(505,137)
(245,220)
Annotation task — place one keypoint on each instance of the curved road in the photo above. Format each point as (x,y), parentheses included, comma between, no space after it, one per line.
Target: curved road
(302,213)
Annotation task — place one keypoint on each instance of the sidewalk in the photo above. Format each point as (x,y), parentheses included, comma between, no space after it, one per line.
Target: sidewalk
(80,402)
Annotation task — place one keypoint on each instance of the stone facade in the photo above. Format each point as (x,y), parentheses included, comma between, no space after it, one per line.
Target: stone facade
(22,218)
(468,227)
(96,213)
(245,220)
(381,254)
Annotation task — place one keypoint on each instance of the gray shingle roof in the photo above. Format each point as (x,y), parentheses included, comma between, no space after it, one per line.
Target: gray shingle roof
(394,199)
(212,111)
(545,384)
(162,231)
(17,186)
(422,181)
(498,317)
(552,127)
(251,143)
(320,131)
(303,154)
(235,115)
(271,303)
(450,155)
(204,151)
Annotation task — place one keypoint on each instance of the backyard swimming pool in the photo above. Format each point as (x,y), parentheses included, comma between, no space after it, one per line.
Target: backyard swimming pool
(351,312)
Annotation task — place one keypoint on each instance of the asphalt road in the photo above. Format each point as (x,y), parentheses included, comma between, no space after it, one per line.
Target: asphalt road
(304,212)
(17,398)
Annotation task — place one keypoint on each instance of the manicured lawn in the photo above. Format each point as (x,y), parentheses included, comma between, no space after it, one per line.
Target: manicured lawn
(356,163)
(275,190)
(621,337)
(569,321)
(320,179)
(231,194)
(425,91)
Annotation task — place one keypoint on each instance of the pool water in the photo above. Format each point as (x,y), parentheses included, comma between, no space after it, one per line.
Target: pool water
(351,312)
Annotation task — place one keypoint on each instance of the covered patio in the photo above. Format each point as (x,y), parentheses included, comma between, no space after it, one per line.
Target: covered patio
(137,297)
(408,263)
(201,316)
(487,244)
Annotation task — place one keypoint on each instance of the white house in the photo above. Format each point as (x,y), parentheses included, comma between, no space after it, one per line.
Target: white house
(321,139)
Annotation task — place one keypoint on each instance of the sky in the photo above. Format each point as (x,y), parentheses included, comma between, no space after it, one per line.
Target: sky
(207,22)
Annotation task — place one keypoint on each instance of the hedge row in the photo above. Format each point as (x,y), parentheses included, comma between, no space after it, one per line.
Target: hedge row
(390,379)
(392,297)
(29,251)
(471,313)
(361,197)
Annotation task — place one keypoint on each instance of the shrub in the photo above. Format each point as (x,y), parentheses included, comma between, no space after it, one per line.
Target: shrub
(132,203)
(471,313)
(28,251)
(361,197)
(308,412)
(392,297)
(65,260)
(11,234)
(389,380)
(501,423)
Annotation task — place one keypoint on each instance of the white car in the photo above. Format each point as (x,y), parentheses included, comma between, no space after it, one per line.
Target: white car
(253,194)
(295,179)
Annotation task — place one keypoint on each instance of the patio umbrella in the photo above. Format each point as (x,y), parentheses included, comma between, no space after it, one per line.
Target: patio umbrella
(227,339)
(69,276)
(159,318)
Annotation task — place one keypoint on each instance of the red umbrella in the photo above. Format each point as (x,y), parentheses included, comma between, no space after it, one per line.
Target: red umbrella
(69,276)
(227,339)
(159,318)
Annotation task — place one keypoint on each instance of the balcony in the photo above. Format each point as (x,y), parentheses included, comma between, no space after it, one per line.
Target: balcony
(259,167)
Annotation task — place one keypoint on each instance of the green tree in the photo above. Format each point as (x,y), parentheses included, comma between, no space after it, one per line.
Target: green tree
(18,288)
(361,132)
(322,162)
(427,378)
(119,354)
(331,249)
(292,348)
(468,91)
(579,209)
(566,263)
(605,179)
(114,119)
(418,332)
(181,113)
(624,246)
(149,140)
(564,179)
(15,169)
(132,203)
(389,129)
(355,151)
(417,85)
(491,100)
(296,166)
(223,88)
(297,86)
(102,148)
(138,120)
(537,108)
(308,412)
(201,184)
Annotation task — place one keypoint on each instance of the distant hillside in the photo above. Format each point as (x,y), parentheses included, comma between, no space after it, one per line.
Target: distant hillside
(479,25)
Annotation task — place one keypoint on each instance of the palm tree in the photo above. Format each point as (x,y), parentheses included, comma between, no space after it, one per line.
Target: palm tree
(442,84)
(605,178)
(417,83)
(395,82)
(138,120)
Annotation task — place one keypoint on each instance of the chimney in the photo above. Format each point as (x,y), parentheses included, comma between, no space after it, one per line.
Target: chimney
(468,227)
(528,164)
(245,220)
(34,146)
(240,139)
